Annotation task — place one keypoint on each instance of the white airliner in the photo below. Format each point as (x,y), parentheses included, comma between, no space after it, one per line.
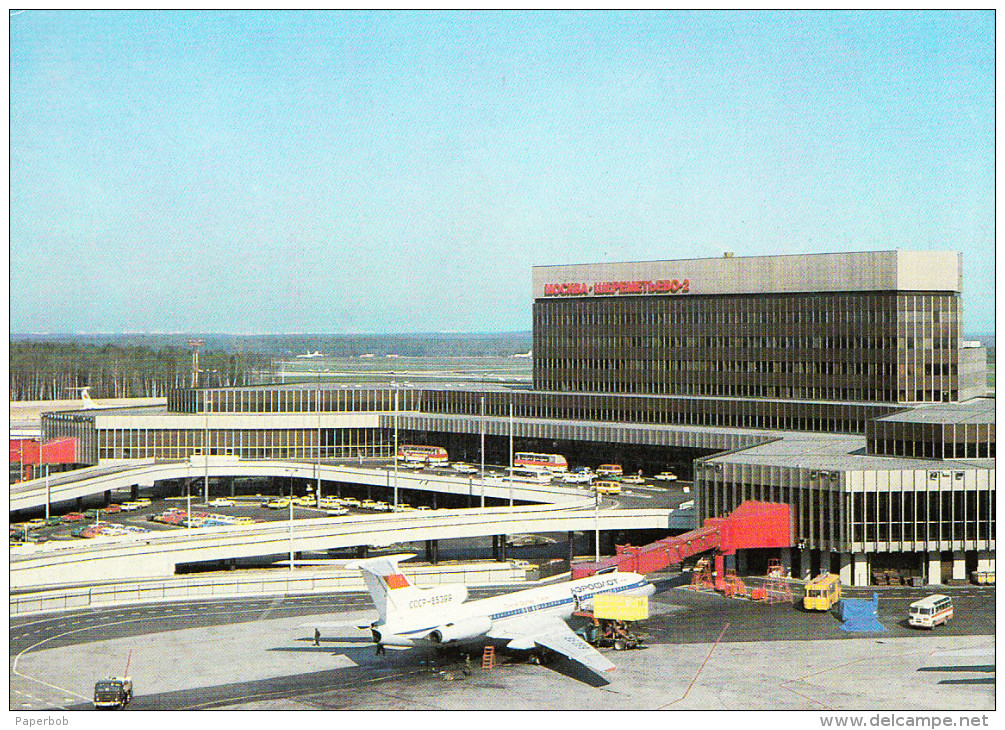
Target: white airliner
(311,354)
(528,620)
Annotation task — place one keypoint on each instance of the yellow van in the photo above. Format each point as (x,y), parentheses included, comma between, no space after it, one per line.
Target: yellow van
(821,593)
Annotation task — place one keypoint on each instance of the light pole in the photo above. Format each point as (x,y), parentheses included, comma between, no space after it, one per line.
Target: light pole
(188,494)
(291,520)
(48,495)
(318,407)
(205,411)
(396,447)
(483,451)
(596,523)
(511,451)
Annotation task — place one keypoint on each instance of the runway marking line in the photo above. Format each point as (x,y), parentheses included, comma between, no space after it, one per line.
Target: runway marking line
(698,673)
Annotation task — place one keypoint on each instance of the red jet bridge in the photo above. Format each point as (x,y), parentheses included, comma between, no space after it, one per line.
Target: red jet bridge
(751,525)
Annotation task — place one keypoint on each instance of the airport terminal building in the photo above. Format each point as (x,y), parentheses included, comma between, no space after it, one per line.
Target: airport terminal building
(839,384)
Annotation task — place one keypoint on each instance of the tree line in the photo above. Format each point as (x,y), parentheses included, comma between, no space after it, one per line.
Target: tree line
(58,370)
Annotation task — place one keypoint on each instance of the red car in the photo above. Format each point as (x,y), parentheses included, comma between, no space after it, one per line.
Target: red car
(73,517)
(112,509)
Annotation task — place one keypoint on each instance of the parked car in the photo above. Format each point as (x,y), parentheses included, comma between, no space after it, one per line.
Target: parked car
(665,476)
(113,508)
(368,504)
(36,523)
(130,506)
(463,468)
(221,502)
(336,512)
(278,503)
(381,507)
(350,501)
(73,517)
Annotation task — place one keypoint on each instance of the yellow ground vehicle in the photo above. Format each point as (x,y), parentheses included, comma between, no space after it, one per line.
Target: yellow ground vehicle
(604,486)
(822,592)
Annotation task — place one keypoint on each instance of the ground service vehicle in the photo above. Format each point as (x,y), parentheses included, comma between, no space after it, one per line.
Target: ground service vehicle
(551,462)
(605,486)
(414,454)
(113,692)
(931,611)
(822,592)
(609,470)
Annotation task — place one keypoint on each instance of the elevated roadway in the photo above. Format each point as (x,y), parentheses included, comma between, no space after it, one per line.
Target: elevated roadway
(151,555)
(96,480)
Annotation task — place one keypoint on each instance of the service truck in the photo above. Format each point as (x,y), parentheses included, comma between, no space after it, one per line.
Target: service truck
(113,692)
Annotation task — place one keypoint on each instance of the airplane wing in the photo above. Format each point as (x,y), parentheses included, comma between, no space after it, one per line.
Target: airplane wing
(552,633)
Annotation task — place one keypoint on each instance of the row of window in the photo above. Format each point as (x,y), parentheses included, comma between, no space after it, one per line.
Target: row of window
(826,518)
(175,444)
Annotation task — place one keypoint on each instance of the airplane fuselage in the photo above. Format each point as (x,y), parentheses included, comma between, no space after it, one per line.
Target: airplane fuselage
(443,617)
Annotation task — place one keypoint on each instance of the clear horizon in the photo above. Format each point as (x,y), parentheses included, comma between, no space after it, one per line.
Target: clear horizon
(371,173)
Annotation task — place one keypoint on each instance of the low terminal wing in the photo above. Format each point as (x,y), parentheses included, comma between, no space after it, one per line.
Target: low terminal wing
(553,633)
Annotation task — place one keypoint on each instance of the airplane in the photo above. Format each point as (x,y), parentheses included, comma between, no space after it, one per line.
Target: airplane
(529,620)
(312,354)
(85,396)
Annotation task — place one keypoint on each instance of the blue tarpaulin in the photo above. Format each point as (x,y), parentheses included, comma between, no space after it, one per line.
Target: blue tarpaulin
(859,614)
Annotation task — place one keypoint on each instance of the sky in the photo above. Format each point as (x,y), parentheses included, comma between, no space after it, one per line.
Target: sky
(391,172)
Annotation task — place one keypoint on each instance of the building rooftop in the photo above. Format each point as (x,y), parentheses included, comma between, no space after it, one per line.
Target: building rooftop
(835,453)
(975,410)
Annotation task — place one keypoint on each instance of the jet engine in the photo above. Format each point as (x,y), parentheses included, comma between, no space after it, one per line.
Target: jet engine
(468,628)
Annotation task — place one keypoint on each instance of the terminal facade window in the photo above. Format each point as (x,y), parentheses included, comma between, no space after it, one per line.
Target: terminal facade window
(866,347)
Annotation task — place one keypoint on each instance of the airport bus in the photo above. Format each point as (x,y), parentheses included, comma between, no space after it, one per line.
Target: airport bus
(551,462)
(432,455)
(821,593)
(609,471)
(930,612)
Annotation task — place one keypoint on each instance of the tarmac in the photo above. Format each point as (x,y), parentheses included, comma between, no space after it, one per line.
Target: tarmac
(271,664)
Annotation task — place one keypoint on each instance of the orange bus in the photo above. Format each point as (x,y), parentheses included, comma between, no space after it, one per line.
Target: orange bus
(415,454)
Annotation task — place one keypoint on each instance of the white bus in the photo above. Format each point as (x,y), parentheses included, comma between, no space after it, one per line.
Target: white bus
(432,455)
(551,462)
(931,611)
(538,474)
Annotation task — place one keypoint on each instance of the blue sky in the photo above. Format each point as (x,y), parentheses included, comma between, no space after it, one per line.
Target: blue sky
(402,172)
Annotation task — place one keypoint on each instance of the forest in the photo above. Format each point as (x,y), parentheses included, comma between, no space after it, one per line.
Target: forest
(58,370)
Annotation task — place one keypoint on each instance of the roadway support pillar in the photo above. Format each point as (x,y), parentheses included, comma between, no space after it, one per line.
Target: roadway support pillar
(502,548)
(362,551)
(80,503)
(844,568)
(134,491)
(741,562)
(232,480)
(934,573)
(861,570)
(432,552)
(959,565)
(985,563)
(108,497)
(571,544)
(805,569)
(786,560)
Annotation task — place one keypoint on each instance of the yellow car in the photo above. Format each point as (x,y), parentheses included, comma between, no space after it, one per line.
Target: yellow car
(404,508)
(278,504)
(244,520)
(368,504)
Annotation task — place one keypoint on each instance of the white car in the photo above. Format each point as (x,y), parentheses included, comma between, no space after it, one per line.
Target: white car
(463,468)
(221,502)
(337,512)
(577,477)
(665,476)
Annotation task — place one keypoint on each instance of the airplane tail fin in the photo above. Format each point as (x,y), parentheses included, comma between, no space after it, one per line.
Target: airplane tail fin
(389,589)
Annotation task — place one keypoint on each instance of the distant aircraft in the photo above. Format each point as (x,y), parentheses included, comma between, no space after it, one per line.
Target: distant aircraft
(524,355)
(528,620)
(85,396)
(312,354)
